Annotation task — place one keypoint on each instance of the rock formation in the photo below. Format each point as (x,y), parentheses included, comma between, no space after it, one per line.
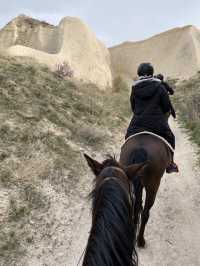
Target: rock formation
(175,53)
(71,41)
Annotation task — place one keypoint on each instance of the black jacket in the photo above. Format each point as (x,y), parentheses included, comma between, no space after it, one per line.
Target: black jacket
(150,103)
(150,96)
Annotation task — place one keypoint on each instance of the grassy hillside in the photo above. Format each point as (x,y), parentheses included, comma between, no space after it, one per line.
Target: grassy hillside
(187,102)
(46,123)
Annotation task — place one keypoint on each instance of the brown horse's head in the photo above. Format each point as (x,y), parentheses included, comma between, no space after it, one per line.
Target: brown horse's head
(111,168)
(112,236)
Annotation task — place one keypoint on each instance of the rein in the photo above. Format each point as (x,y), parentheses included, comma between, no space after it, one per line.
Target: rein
(130,196)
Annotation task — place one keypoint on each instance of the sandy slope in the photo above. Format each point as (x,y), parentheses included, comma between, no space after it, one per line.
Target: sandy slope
(173,235)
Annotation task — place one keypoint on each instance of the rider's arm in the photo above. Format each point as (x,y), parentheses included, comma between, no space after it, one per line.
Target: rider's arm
(132,100)
(173,112)
(168,88)
(165,101)
(167,115)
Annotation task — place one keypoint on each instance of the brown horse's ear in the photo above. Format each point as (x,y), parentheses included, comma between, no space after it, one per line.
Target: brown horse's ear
(135,169)
(95,166)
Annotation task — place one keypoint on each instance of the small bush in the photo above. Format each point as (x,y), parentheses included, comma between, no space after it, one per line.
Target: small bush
(64,70)
(18,210)
(91,136)
(119,84)
(9,245)
(6,177)
(34,198)
(29,199)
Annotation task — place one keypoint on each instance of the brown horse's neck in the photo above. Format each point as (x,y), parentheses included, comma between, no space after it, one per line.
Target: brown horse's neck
(111,240)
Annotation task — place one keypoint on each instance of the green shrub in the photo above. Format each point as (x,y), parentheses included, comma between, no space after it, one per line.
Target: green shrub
(186,101)
(119,84)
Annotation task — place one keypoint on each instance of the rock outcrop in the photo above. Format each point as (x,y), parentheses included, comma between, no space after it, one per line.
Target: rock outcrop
(175,53)
(71,41)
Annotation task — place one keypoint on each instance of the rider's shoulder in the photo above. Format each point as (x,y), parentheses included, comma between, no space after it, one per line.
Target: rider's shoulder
(157,80)
(145,81)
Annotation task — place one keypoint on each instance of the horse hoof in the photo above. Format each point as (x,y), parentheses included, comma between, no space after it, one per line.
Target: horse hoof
(141,242)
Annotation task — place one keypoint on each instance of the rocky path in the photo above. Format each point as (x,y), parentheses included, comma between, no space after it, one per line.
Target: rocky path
(173,232)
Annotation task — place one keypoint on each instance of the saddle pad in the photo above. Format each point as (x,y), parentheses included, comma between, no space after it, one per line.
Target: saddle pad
(152,134)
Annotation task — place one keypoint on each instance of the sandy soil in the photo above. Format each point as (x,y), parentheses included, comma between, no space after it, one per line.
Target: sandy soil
(173,235)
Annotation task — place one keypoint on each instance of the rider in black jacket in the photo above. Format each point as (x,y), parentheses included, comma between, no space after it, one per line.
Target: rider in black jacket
(151,107)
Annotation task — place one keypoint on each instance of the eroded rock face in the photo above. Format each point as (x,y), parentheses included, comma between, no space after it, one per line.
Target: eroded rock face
(71,41)
(175,53)
(31,33)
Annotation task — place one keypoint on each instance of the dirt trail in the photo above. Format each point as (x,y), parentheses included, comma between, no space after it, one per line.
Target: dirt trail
(173,235)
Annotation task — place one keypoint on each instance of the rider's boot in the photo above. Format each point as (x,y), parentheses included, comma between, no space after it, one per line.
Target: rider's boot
(172,168)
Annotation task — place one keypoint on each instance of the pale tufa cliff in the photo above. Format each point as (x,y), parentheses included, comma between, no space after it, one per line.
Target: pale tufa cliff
(71,41)
(175,53)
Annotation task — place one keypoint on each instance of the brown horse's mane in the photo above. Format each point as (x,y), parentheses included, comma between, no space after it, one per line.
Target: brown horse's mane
(111,161)
(111,238)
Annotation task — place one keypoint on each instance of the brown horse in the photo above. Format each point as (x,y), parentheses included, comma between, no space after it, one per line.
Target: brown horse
(111,240)
(138,149)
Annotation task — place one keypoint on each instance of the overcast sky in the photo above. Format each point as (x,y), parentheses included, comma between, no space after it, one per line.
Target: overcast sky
(114,21)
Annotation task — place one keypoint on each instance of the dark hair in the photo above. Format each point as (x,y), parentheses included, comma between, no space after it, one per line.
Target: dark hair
(145,69)
(160,77)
